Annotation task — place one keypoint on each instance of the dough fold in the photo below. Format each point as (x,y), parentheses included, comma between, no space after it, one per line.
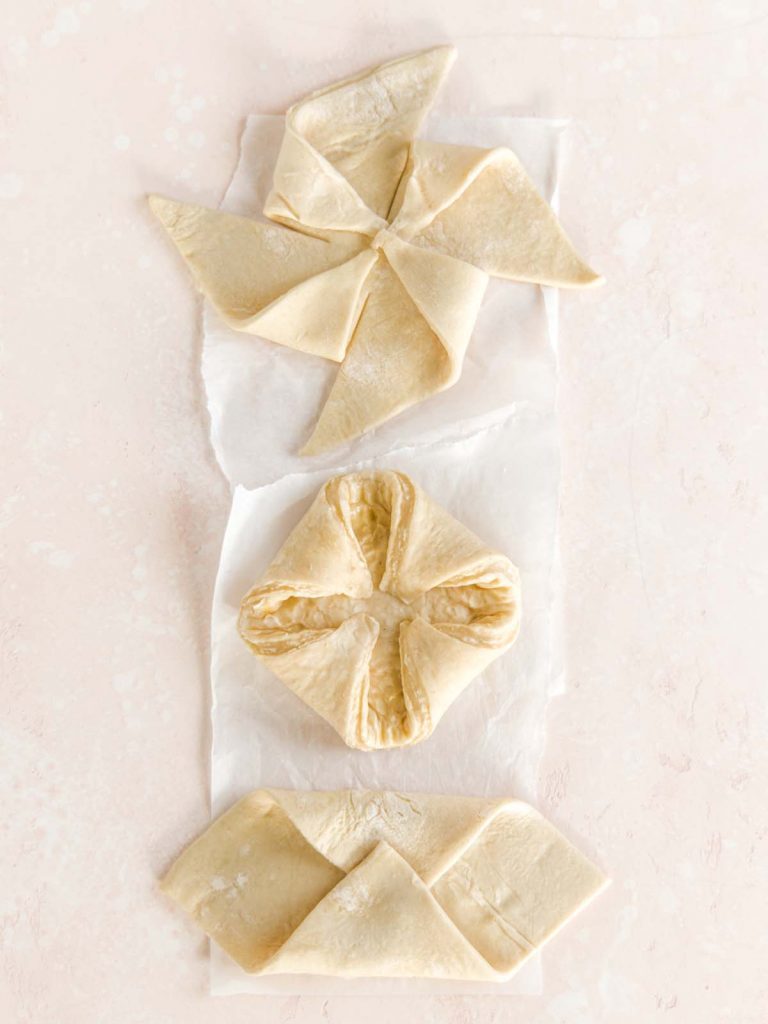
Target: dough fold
(380,608)
(381,884)
(381,244)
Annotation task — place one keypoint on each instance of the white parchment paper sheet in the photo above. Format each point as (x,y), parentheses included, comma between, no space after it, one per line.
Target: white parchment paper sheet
(486,450)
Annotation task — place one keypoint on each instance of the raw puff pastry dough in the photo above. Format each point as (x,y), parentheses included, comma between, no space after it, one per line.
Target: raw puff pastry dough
(380,608)
(357,883)
(387,245)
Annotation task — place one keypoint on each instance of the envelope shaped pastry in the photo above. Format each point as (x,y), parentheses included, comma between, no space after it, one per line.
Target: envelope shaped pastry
(380,608)
(380,245)
(376,884)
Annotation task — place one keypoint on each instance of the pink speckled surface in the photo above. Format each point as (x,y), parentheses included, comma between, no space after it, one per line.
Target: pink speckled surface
(113,509)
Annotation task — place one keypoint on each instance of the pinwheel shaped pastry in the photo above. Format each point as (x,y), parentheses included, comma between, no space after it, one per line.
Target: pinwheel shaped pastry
(380,608)
(358,883)
(387,245)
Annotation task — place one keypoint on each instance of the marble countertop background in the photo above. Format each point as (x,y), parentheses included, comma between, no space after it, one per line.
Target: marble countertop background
(112,507)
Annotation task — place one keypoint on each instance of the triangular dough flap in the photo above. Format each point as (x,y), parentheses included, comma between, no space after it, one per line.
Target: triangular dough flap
(320,554)
(437,174)
(453,553)
(445,291)
(267,280)
(394,360)
(330,674)
(363,125)
(516,885)
(309,193)
(250,879)
(500,224)
(319,315)
(438,666)
(380,921)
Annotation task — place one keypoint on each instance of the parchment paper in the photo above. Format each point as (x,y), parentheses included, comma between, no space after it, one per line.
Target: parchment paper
(486,450)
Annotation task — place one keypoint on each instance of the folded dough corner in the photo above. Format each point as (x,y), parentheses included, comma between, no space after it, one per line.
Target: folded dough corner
(380,245)
(381,884)
(380,608)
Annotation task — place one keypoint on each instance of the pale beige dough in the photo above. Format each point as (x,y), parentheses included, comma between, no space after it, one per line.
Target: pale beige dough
(380,608)
(359,883)
(381,245)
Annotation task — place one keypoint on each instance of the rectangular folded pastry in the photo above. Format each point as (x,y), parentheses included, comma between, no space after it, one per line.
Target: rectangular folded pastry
(381,884)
